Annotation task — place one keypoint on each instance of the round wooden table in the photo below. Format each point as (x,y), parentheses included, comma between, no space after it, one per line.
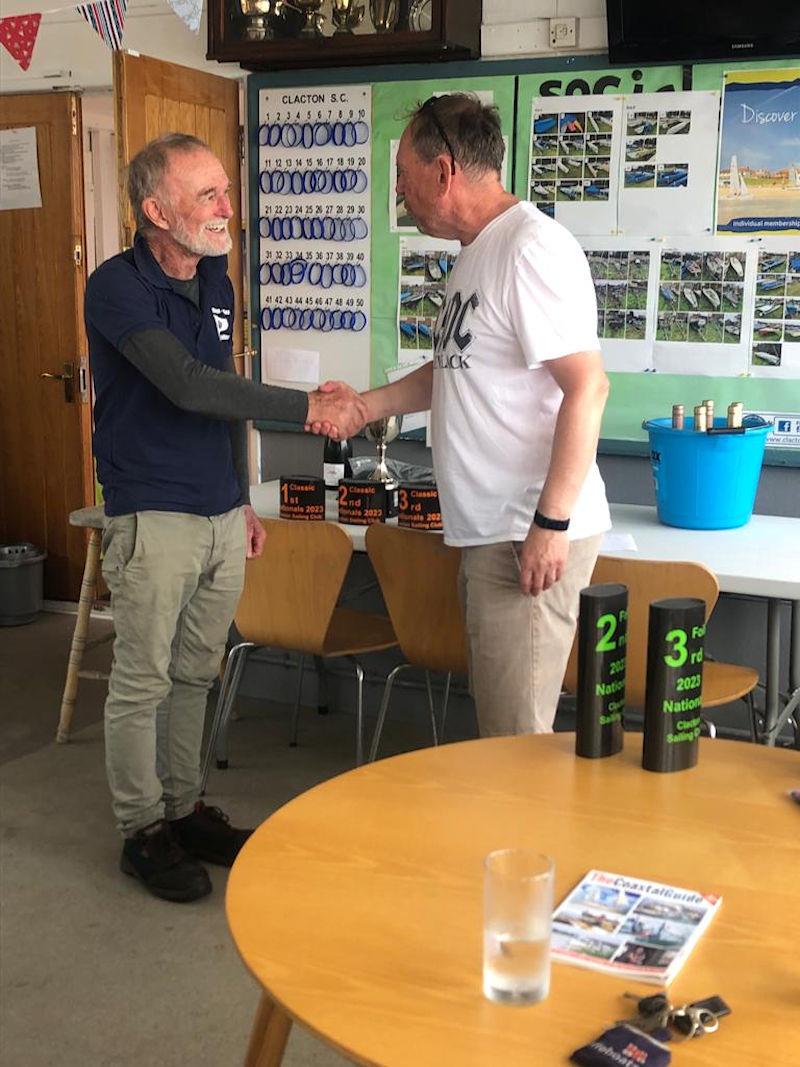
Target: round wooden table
(357,906)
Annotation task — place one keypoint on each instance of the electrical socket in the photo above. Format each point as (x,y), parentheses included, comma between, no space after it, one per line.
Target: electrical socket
(563,33)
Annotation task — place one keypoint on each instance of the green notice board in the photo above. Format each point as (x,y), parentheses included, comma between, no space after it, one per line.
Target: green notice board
(391,102)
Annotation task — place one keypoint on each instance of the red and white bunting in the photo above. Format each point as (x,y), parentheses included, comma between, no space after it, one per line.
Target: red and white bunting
(18,36)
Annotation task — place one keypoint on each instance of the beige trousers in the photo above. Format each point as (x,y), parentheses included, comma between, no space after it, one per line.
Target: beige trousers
(175,581)
(519,645)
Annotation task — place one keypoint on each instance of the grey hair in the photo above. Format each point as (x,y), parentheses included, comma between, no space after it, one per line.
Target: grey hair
(472,128)
(147,168)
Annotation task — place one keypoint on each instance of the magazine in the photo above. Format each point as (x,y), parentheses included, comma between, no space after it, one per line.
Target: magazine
(630,927)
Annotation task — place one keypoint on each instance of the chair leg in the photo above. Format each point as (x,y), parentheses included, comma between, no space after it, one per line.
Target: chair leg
(751,707)
(387,692)
(359,711)
(322,684)
(219,712)
(445,699)
(296,712)
(221,741)
(431,707)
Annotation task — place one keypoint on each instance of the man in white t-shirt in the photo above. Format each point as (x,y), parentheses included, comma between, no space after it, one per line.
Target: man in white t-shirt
(516,390)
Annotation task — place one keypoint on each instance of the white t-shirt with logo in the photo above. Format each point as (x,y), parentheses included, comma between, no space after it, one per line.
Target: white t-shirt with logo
(519,295)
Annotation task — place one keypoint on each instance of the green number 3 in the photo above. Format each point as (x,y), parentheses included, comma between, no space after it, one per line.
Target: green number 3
(679,653)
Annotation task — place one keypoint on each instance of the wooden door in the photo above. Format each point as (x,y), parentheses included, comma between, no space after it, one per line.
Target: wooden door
(45,423)
(152,98)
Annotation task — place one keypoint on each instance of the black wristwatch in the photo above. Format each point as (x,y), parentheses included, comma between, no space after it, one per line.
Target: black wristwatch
(550,524)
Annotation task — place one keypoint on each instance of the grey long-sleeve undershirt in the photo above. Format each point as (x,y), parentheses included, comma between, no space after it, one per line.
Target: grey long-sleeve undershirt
(194,386)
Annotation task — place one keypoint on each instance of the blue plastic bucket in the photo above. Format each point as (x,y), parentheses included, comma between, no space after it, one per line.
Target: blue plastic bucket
(706,481)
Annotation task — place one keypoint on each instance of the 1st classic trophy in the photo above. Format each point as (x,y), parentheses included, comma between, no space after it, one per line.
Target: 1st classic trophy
(383,432)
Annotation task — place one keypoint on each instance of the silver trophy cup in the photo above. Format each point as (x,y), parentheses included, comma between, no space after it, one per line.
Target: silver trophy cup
(383,432)
(383,14)
(346,15)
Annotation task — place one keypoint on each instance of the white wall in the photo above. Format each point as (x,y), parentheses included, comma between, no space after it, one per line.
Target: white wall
(69,54)
(521,27)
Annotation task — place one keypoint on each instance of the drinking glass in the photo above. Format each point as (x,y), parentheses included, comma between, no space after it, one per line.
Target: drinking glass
(517,915)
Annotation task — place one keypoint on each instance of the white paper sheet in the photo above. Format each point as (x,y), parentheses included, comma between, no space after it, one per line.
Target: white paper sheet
(19,169)
(425,264)
(574,160)
(667,163)
(625,273)
(290,365)
(417,420)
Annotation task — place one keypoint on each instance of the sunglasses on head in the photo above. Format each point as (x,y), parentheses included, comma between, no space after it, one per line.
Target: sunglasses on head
(429,108)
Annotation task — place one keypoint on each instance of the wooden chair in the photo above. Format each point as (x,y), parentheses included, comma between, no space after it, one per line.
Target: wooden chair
(289,602)
(649,580)
(418,576)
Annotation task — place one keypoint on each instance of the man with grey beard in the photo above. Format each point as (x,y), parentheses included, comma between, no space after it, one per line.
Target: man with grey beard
(171,456)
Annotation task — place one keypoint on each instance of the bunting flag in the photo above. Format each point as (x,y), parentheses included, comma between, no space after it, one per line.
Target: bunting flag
(189,12)
(107,18)
(18,36)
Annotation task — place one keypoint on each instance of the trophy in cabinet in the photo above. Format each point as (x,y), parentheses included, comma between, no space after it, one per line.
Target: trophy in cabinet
(383,14)
(383,432)
(258,15)
(346,15)
(314,22)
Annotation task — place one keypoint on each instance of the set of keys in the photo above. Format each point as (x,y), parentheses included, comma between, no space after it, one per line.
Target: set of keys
(656,1015)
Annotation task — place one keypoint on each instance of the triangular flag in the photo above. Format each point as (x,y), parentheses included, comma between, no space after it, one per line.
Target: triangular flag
(189,12)
(107,18)
(18,36)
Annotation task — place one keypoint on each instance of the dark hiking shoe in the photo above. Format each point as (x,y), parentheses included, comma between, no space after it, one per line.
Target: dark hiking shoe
(206,834)
(154,857)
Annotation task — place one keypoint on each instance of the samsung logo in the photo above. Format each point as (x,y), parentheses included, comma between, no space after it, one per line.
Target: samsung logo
(747,44)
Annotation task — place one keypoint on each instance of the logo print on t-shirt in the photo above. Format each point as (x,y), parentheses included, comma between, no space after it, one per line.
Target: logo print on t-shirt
(452,338)
(222,320)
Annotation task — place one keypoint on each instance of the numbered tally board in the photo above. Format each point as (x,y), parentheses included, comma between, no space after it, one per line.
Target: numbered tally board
(314,180)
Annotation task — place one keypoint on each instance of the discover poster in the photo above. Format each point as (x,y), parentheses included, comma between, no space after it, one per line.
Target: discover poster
(758,174)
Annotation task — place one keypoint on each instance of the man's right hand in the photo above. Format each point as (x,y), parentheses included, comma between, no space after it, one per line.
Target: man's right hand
(336,410)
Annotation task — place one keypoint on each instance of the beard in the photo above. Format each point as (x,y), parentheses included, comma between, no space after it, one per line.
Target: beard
(202,243)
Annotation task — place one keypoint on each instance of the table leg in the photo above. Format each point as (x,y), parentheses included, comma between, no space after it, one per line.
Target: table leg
(269,1035)
(87,598)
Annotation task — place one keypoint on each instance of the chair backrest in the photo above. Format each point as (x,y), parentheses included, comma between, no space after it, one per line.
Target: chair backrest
(418,576)
(647,580)
(291,590)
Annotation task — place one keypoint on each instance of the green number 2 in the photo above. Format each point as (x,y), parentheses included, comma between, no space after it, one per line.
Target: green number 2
(679,653)
(606,642)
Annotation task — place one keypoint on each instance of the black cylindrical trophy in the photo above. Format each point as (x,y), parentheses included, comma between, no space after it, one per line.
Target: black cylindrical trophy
(674,682)
(602,639)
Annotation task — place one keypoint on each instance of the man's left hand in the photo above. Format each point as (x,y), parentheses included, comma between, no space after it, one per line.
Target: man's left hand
(542,559)
(255,533)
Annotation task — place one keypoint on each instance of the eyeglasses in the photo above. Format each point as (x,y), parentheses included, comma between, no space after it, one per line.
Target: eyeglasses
(429,109)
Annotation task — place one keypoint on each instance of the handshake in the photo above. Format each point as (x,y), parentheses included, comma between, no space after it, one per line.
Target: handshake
(336,410)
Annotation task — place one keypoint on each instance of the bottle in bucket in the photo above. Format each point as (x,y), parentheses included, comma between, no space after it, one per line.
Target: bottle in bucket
(602,643)
(673,700)
(734,415)
(677,417)
(709,406)
(700,418)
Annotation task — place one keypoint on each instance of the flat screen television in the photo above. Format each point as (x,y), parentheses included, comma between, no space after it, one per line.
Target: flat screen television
(643,32)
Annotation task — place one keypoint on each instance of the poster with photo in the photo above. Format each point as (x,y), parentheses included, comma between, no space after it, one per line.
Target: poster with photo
(666,177)
(625,282)
(574,153)
(314,207)
(758,172)
(425,264)
(704,307)
(775,339)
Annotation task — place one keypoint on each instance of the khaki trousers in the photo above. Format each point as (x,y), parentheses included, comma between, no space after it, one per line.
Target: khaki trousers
(519,645)
(175,581)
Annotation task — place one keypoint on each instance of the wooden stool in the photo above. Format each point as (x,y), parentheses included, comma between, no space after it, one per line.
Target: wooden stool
(91,519)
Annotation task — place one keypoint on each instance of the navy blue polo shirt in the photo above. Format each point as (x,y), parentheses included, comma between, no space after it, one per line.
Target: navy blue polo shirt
(151,455)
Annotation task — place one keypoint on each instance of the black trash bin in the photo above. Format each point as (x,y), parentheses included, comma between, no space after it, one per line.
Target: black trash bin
(21,583)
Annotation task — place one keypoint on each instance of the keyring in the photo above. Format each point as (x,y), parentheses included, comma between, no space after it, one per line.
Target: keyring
(361,132)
